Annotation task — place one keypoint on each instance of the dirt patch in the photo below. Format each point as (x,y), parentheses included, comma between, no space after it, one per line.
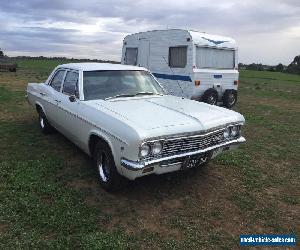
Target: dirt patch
(3,228)
(291,211)
(171,204)
(193,195)
(82,184)
(150,218)
(273,192)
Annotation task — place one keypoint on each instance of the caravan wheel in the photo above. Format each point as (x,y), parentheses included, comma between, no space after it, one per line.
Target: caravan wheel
(210,96)
(229,98)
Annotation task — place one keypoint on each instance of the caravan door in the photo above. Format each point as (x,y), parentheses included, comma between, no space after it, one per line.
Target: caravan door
(143,53)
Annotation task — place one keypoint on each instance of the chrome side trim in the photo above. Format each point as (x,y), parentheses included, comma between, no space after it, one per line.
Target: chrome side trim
(81,118)
(139,165)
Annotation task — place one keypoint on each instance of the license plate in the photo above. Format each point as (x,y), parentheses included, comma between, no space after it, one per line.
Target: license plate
(194,161)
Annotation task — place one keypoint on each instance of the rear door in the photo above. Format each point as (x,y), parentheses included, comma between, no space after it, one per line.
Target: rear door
(143,53)
(52,95)
(68,110)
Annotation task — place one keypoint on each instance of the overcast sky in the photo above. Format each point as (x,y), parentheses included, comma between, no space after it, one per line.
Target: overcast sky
(266,31)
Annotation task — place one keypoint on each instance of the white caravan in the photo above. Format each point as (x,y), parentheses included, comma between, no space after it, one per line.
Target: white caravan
(191,64)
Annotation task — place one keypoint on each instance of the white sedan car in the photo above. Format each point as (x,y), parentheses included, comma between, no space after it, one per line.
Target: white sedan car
(121,117)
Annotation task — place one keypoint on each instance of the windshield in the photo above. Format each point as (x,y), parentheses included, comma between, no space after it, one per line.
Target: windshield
(117,83)
(214,58)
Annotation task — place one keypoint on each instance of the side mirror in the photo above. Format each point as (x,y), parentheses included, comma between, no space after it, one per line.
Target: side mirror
(72,98)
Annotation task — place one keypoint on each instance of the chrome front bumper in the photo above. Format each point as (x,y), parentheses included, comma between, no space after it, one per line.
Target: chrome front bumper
(135,169)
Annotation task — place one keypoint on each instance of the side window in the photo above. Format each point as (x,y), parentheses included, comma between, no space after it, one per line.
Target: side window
(71,83)
(178,57)
(57,80)
(131,56)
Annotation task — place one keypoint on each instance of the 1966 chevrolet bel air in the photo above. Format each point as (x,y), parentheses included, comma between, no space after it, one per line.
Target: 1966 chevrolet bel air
(121,117)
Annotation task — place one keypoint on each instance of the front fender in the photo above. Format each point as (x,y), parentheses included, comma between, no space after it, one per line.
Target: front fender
(117,146)
(102,136)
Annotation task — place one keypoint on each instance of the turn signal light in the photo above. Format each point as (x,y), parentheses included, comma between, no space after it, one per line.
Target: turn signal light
(237,82)
(197,82)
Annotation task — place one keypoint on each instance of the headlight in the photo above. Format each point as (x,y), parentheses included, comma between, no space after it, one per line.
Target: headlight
(144,150)
(156,148)
(234,131)
(226,133)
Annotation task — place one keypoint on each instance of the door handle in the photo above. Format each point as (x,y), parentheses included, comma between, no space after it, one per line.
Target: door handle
(42,94)
(58,101)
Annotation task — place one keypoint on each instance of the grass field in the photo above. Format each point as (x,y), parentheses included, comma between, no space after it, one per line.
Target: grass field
(50,197)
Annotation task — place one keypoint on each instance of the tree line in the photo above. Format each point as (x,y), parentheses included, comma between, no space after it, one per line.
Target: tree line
(4,58)
(292,68)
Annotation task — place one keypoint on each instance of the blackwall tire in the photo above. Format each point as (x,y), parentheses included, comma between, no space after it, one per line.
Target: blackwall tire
(230,98)
(210,96)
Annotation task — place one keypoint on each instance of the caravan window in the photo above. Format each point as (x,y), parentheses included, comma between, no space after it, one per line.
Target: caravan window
(131,56)
(177,57)
(214,58)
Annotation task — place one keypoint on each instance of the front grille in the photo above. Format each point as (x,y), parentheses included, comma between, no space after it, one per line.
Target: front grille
(190,144)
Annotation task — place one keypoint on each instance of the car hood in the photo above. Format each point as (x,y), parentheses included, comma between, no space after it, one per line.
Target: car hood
(165,112)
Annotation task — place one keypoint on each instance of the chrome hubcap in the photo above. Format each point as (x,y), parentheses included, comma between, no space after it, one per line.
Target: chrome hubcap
(42,122)
(231,99)
(211,100)
(103,166)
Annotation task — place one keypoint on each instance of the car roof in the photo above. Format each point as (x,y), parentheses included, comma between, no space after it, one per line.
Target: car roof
(99,66)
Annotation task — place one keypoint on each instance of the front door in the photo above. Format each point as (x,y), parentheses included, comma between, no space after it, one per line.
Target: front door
(143,53)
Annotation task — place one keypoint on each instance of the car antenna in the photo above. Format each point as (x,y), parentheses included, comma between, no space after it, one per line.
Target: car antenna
(173,75)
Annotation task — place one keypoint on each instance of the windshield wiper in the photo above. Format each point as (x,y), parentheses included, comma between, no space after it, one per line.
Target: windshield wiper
(117,96)
(144,93)
(131,95)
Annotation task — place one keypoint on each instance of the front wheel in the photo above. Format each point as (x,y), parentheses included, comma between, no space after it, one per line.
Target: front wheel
(108,175)
(44,123)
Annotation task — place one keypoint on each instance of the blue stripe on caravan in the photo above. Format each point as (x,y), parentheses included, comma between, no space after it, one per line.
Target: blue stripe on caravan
(173,77)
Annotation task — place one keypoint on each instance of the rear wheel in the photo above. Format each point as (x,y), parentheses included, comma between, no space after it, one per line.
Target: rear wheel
(44,123)
(210,96)
(108,175)
(229,98)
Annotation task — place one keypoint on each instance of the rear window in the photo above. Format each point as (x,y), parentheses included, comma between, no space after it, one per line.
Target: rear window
(57,80)
(214,58)
(178,57)
(70,84)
